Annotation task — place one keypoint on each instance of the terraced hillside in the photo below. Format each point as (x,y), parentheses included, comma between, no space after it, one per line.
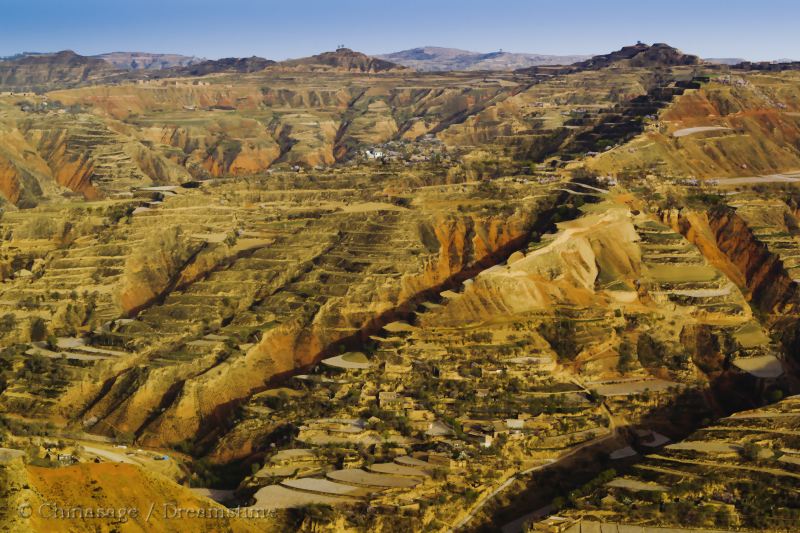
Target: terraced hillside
(354,297)
(740,472)
(291,272)
(335,108)
(745,228)
(736,125)
(774,224)
(533,360)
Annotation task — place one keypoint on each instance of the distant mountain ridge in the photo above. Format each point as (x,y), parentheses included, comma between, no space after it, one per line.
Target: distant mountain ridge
(343,59)
(739,60)
(33,71)
(39,72)
(147,61)
(725,60)
(242,65)
(20,55)
(435,59)
(640,55)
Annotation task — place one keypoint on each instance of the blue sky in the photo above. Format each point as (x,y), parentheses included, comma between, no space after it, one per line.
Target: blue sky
(764,29)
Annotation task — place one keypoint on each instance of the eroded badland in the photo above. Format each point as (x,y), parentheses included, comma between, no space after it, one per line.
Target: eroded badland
(355,297)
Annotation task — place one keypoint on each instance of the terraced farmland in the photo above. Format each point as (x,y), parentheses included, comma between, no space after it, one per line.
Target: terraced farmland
(720,477)
(357,297)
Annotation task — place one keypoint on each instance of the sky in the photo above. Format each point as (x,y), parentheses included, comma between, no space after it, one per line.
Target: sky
(755,30)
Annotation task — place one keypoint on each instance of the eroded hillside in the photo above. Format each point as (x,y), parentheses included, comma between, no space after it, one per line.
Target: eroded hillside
(352,296)
(734,126)
(739,473)
(241,118)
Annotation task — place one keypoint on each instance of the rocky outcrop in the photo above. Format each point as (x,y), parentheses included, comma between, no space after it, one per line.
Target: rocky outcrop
(564,272)
(696,227)
(70,169)
(17,184)
(734,244)
(25,177)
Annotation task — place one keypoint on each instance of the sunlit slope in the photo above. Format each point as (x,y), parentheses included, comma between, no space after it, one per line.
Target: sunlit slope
(39,498)
(737,125)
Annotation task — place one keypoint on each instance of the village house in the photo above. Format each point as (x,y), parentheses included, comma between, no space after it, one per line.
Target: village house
(67,459)
(515,424)
(392,401)
(556,524)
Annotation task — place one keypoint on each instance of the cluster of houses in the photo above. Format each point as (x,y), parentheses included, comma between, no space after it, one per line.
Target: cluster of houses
(479,420)
(174,83)
(425,149)
(21,94)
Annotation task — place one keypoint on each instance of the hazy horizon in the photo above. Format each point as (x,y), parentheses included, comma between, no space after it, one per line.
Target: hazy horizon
(277,30)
